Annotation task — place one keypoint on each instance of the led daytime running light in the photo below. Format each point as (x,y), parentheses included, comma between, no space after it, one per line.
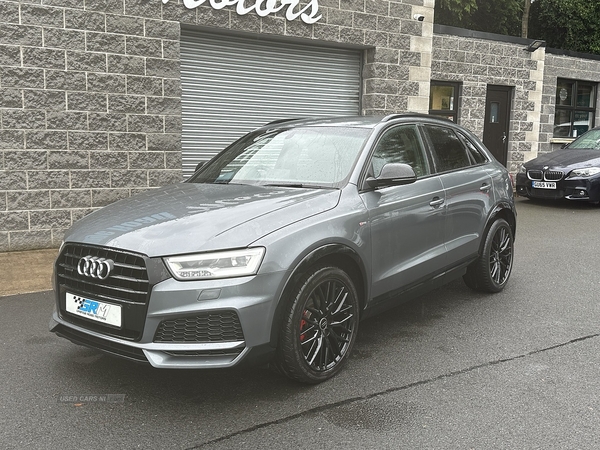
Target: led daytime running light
(226,264)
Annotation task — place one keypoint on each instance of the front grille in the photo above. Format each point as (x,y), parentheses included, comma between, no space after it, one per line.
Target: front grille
(546,193)
(553,175)
(535,175)
(208,327)
(128,280)
(548,175)
(128,285)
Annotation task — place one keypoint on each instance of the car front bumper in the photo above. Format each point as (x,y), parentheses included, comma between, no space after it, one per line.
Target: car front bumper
(578,189)
(192,324)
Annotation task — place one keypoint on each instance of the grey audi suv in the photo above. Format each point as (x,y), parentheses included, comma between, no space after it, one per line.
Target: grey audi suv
(276,248)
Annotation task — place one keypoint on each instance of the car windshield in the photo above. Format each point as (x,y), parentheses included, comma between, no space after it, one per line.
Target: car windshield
(294,157)
(591,139)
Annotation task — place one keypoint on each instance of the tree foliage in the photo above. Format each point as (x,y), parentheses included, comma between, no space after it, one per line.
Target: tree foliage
(567,24)
(498,16)
(455,10)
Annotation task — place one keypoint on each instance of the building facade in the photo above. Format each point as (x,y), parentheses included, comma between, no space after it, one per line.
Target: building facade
(101,99)
(544,97)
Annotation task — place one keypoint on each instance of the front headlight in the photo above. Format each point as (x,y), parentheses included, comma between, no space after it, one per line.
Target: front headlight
(584,173)
(206,266)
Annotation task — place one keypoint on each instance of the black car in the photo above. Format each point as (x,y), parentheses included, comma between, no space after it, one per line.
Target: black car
(572,172)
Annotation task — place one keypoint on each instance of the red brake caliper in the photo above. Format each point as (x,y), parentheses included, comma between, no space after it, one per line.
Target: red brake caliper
(303,324)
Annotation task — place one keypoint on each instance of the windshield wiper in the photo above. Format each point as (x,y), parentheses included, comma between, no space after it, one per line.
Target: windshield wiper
(291,185)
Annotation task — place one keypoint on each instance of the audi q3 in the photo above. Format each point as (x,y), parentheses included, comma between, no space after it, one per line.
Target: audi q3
(280,245)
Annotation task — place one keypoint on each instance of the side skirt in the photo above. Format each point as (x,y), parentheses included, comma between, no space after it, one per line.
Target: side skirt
(400,296)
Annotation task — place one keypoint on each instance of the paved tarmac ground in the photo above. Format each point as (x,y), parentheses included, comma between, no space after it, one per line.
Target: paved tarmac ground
(454,370)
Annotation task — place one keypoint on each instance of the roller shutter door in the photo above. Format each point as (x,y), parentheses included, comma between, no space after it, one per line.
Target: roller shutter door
(232,85)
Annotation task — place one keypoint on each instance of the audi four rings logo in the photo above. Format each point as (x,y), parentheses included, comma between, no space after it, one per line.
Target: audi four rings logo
(92,266)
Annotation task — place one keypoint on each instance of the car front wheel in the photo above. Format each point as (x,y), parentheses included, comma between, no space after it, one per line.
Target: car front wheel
(490,272)
(320,327)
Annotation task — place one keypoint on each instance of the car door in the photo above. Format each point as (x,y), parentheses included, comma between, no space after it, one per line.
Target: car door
(406,222)
(468,189)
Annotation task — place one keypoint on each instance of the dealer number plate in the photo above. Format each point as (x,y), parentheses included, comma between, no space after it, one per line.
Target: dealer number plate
(92,309)
(543,184)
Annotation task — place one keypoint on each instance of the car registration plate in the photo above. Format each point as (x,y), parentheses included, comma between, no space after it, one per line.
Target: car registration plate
(543,184)
(92,309)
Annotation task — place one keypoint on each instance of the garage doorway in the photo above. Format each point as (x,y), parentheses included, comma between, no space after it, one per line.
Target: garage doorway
(233,84)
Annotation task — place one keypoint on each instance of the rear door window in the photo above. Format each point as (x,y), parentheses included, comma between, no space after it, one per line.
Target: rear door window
(448,149)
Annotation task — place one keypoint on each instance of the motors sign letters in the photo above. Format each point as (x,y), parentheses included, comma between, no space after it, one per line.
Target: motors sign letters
(263,8)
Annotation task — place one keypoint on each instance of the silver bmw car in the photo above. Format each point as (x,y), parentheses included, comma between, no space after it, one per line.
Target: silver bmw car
(276,248)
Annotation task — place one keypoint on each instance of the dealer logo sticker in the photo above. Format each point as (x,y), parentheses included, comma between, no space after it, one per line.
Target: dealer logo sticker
(95,310)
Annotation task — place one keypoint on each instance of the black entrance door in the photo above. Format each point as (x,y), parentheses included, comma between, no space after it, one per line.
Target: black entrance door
(497,115)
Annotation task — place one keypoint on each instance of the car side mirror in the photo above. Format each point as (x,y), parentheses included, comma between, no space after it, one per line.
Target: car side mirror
(392,174)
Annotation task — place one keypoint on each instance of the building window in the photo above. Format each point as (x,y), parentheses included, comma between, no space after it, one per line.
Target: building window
(443,100)
(575,108)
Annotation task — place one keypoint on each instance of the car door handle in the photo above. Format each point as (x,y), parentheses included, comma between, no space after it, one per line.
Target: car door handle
(485,187)
(436,202)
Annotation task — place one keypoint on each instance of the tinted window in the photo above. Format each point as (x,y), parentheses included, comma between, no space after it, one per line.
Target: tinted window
(400,145)
(449,151)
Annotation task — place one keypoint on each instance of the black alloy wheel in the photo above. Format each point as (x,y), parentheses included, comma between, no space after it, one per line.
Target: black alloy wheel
(320,329)
(490,272)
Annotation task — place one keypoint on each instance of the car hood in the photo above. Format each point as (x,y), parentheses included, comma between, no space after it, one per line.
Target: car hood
(567,159)
(190,217)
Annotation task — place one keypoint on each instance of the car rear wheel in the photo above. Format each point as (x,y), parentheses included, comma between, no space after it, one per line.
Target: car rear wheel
(490,272)
(320,327)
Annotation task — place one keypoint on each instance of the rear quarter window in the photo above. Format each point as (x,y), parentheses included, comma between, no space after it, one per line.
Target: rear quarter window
(475,153)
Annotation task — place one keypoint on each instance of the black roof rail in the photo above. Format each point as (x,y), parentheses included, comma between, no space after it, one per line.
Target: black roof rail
(400,115)
(281,121)
(392,116)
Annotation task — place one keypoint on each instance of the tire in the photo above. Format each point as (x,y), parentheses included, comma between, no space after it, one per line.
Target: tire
(490,272)
(320,326)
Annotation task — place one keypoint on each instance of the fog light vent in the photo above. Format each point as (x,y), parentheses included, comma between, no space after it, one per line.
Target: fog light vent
(208,327)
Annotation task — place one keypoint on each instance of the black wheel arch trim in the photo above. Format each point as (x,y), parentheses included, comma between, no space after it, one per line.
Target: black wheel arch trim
(504,210)
(317,255)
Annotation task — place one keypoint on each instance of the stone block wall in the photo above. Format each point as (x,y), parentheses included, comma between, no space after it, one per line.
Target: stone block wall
(477,63)
(89,111)
(90,93)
